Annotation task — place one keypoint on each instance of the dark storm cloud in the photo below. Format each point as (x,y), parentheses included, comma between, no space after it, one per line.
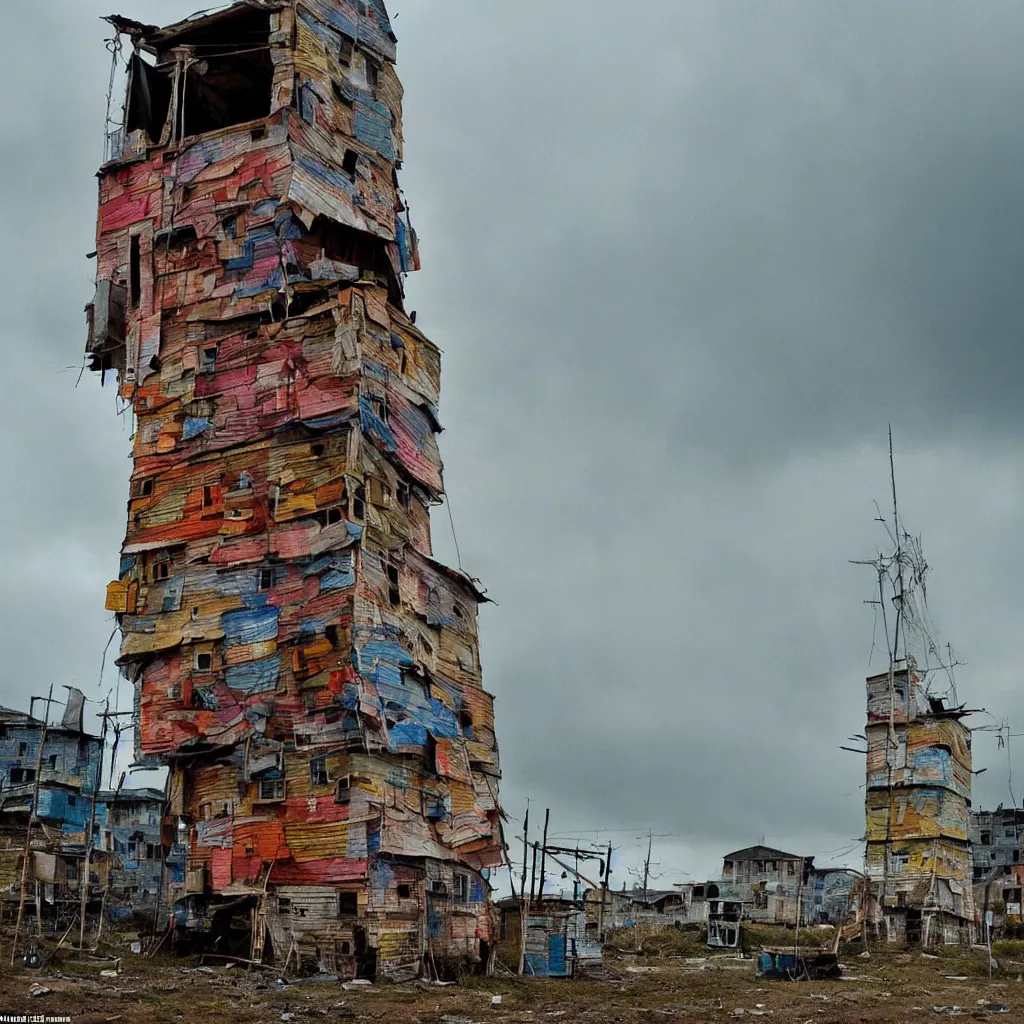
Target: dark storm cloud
(685,261)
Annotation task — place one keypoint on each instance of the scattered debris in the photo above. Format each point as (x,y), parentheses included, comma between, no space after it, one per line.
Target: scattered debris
(35,989)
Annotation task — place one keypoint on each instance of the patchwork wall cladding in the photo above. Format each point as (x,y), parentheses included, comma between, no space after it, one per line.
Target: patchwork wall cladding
(307,671)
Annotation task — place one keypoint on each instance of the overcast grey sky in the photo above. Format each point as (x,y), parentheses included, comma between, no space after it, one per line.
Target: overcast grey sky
(686,259)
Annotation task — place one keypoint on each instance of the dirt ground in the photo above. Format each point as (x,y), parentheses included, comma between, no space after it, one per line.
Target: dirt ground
(887,986)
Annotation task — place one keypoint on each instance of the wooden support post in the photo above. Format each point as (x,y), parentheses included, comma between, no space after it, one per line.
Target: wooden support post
(28,830)
(89,835)
(522,894)
(604,892)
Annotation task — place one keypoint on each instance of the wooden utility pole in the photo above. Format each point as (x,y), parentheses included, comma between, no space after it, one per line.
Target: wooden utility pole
(604,890)
(526,843)
(522,892)
(28,828)
(543,854)
(89,840)
(647,863)
(533,872)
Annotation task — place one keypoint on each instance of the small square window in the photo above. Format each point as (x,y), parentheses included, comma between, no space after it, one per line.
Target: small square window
(404,892)
(316,450)
(208,359)
(358,508)
(271,790)
(348,904)
(204,661)
(403,494)
(265,579)
(343,790)
(318,771)
(22,749)
(460,885)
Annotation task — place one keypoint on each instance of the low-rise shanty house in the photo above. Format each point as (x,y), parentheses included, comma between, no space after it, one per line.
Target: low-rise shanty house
(65,775)
(724,921)
(996,839)
(833,896)
(556,946)
(767,881)
(655,908)
(132,836)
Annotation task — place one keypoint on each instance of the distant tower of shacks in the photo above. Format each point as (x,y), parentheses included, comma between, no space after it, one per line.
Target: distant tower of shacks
(305,669)
(918,803)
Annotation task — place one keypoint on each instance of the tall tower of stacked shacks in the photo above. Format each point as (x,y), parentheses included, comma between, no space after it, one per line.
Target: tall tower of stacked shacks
(918,794)
(918,804)
(304,668)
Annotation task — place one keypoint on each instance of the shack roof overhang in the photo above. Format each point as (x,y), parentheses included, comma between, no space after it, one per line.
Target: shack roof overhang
(153,38)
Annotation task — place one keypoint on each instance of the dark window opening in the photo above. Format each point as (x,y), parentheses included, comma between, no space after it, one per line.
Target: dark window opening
(331,633)
(466,722)
(229,81)
(149,98)
(359,503)
(161,570)
(404,892)
(143,488)
(53,762)
(271,790)
(22,775)
(350,163)
(318,771)
(317,449)
(257,134)
(208,360)
(135,271)
(348,904)
(986,838)
(380,408)
(394,590)
(345,52)
(329,516)
(22,749)
(266,579)
(403,494)
(460,887)
(208,497)
(204,662)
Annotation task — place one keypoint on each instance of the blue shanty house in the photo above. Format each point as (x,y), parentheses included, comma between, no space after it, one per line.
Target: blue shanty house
(131,836)
(68,776)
